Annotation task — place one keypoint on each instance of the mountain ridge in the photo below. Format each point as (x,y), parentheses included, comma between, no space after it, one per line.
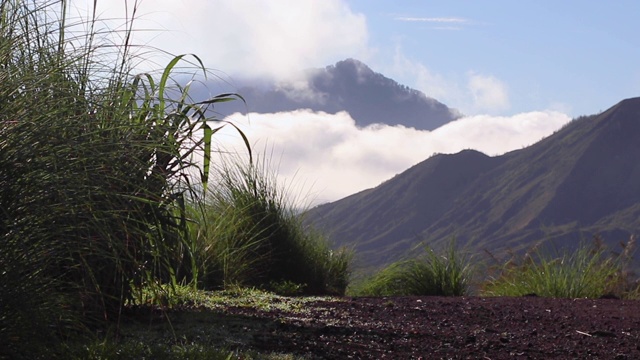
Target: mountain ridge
(580,180)
(351,86)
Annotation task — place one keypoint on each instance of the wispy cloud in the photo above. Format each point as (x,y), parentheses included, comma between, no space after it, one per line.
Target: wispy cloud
(438,23)
(433,84)
(448,20)
(472,93)
(488,92)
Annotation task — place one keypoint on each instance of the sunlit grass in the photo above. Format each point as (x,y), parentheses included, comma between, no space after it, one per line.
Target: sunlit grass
(195,328)
(433,274)
(590,271)
(249,234)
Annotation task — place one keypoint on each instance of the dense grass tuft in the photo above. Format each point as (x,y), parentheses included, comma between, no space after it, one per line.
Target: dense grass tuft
(432,274)
(248,233)
(586,272)
(94,175)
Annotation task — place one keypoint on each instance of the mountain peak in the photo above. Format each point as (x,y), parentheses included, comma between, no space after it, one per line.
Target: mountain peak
(370,95)
(630,102)
(353,63)
(352,86)
(625,110)
(355,71)
(352,66)
(580,181)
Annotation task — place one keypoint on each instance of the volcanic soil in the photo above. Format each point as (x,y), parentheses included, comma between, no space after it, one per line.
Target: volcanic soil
(426,328)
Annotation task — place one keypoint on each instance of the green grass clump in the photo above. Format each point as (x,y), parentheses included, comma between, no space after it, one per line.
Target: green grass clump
(248,234)
(94,167)
(432,274)
(585,272)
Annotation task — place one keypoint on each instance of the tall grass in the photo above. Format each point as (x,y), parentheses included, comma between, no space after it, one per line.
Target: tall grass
(93,170)
(590,271)
(433,274)
(250,234)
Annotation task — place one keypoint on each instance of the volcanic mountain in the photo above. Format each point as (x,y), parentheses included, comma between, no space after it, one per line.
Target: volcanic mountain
(351,86)
(582,180)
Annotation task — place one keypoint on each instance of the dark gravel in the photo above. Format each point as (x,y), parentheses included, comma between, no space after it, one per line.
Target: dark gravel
(453,328)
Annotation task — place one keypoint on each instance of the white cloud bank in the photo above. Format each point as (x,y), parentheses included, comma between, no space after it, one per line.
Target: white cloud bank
(326,157)
(247,37)
(328,152)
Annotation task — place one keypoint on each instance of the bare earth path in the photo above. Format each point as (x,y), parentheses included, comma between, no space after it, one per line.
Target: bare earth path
(435,328)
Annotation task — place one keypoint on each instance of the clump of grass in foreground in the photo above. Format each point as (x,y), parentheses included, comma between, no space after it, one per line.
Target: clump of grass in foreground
(586,272)
(247,233)
(432,274)
(92,167)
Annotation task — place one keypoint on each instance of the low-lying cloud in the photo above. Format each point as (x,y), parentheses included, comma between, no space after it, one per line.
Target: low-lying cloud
(324,157)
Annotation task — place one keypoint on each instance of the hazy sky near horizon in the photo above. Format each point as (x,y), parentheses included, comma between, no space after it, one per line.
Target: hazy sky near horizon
(517,69)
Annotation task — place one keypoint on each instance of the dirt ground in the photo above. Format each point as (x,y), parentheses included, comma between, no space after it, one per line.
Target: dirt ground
(435,328)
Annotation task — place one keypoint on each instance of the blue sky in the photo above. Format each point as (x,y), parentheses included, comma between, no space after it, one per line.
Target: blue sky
(518,70)
(576,56)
